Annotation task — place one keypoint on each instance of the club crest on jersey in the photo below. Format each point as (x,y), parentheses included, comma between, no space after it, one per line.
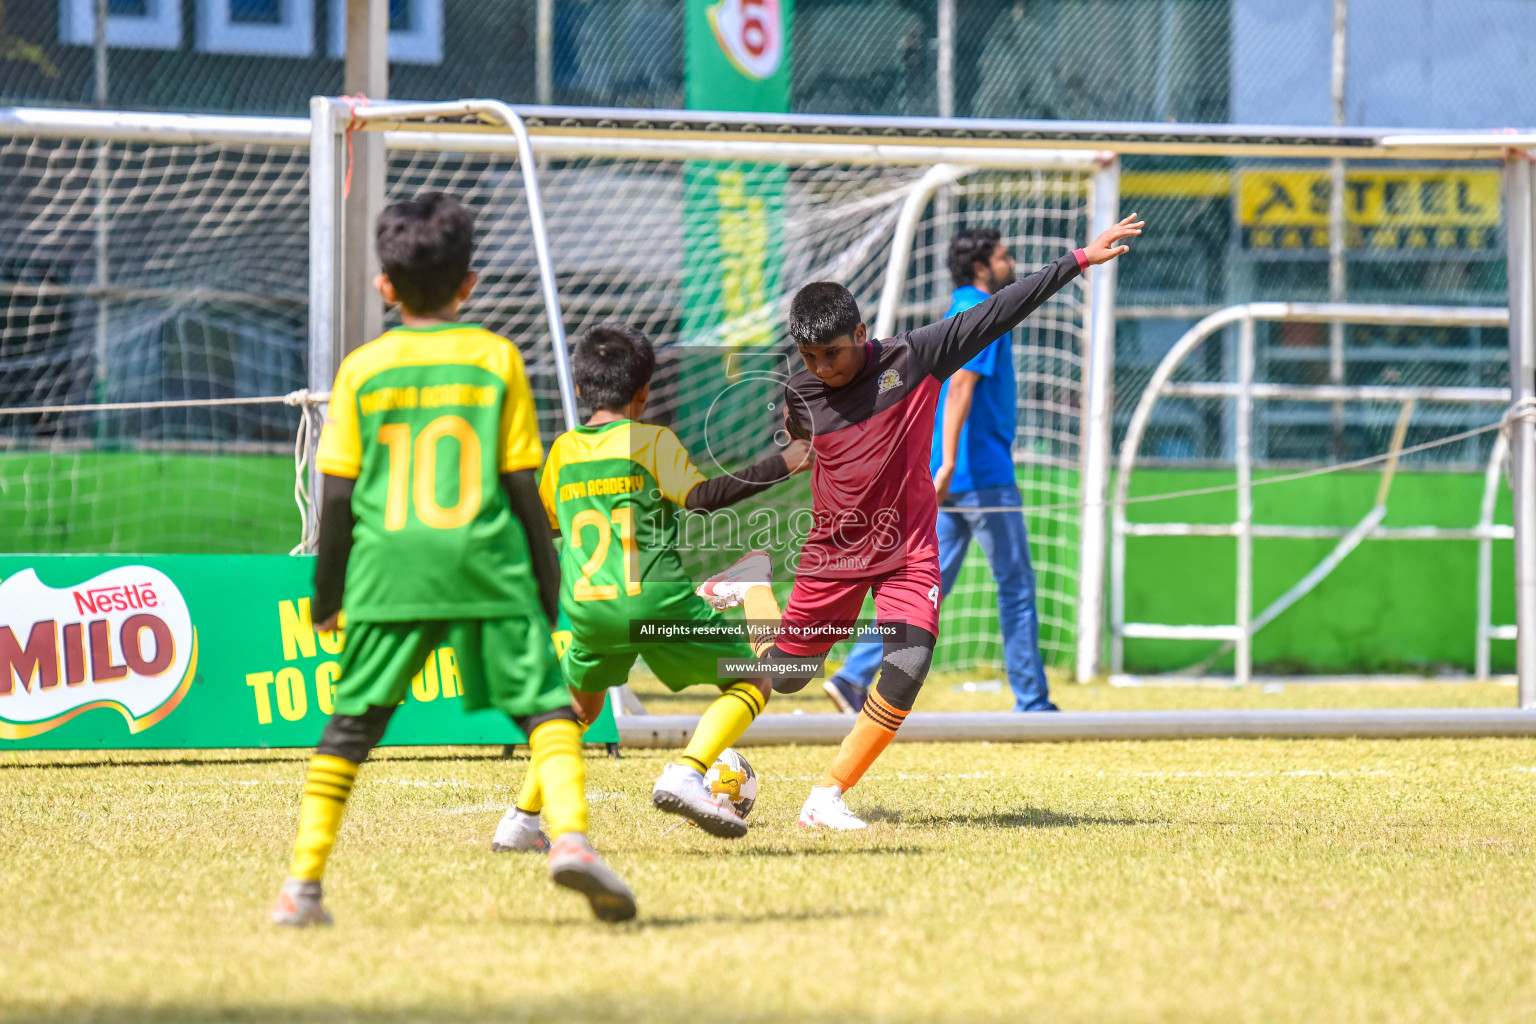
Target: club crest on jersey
(888,380)
(122,640)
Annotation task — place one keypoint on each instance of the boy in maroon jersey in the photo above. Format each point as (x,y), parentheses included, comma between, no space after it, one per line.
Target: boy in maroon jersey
(868,408)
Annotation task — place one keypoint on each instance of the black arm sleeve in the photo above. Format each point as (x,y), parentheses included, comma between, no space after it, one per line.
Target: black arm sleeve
(336,522)
(728,490)
(948,345)
(523,495)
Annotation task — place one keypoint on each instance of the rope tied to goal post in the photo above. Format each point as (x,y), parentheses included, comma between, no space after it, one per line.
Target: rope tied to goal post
(308,404)
(1523,411)
(354,104)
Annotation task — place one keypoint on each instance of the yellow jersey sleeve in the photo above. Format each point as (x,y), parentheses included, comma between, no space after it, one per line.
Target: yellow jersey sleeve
(341,445)
(520,446)
(674,470)
(547,482)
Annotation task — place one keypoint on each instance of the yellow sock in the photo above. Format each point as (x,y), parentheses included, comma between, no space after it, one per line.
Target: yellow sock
(531,797)
(326,789)
(562,775)
(723,723)
(761,606)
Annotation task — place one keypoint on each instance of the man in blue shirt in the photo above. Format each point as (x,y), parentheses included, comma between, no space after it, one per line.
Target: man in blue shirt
(972,466)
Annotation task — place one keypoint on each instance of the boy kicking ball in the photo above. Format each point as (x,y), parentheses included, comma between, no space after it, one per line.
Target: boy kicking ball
(432,533)
(868,407)
(615,487)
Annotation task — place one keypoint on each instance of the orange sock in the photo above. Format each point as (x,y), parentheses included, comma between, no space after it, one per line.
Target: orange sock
(872,733)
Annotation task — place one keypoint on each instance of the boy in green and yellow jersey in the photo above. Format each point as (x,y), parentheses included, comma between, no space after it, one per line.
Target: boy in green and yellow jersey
(616,488)
(432,533)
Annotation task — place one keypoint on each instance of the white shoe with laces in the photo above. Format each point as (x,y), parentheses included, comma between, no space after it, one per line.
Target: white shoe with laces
(681,790)
(824,808)
(519,832)
(729,588)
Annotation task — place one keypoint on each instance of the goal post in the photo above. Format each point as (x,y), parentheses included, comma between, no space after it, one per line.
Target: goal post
(195,244)
(602,223)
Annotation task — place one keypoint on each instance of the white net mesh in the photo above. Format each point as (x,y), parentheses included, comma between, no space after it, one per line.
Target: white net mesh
(150,273)
(1040,215)
(169,273)
(628,239)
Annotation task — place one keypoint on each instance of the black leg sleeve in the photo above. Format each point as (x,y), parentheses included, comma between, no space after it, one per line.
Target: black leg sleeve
(792,681)
(353,737)
(523,494)
(336,523)
(904,667)
(528,723)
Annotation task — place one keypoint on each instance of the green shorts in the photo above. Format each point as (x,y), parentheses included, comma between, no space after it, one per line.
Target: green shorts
(507,664)
(677,665)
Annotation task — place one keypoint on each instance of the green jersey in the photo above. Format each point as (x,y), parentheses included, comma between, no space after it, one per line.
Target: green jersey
(615,492)
(426,420)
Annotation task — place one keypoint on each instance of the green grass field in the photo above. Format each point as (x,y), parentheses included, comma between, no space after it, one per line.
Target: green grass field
(1175,881)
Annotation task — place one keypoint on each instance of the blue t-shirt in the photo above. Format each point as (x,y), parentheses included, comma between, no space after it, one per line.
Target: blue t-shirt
(985,458)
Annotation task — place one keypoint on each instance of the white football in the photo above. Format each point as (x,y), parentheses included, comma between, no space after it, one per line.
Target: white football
(733,776)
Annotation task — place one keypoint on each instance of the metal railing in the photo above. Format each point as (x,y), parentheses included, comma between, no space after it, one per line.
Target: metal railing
(1238,636)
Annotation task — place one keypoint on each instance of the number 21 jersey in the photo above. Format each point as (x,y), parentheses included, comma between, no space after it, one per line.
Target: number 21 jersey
(615,492)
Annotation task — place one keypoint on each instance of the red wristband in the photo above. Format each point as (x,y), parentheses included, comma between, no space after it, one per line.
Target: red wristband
(1082,259)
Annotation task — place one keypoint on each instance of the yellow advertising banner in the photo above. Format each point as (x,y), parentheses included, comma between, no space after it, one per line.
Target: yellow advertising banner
(1383,209)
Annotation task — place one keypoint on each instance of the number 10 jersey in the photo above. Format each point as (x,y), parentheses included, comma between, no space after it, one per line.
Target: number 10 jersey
(425,420)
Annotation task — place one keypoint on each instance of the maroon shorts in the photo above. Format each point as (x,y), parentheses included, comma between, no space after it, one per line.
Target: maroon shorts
(909,594)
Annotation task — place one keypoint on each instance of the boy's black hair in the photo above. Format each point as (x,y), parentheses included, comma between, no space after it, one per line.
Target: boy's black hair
(425,245)
(969,247)
(611,363)
(822,311)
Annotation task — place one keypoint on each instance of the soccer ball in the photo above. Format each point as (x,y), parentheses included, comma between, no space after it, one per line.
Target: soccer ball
(733,776)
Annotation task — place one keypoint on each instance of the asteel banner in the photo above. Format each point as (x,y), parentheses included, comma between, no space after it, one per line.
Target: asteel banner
(173,651)
(1404,210)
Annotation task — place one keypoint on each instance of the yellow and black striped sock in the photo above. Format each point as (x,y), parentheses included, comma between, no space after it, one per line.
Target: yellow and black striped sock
(326,789)
(723,724)
(562,775)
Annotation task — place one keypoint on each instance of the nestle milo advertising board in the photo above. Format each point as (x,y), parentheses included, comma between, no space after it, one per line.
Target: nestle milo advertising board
(156,651)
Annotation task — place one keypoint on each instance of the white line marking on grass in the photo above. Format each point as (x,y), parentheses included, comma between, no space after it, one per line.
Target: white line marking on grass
(487,806)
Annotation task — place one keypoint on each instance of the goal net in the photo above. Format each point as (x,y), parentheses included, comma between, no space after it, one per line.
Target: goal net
(704,256)
(173,277)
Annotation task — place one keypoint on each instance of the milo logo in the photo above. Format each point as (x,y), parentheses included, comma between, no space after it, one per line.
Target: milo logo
(122,640)
(751,32)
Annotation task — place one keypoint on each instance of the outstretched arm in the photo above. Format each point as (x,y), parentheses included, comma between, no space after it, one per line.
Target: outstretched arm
(723,491)
(948,345)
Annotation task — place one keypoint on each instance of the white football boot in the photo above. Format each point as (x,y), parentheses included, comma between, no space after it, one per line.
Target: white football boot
(681,790)
(824,808)
(575,865)
(519,832)
(729,588)
(298,905)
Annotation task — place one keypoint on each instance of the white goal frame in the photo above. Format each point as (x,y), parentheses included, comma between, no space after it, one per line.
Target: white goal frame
(908,141)
(490,126)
